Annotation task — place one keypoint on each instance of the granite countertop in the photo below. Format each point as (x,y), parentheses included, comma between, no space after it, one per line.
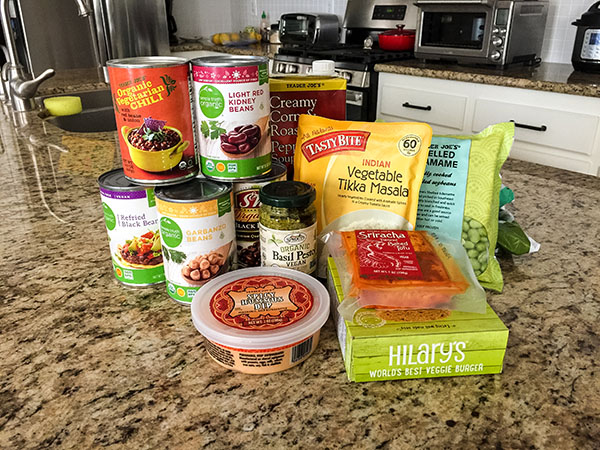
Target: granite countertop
(87,362)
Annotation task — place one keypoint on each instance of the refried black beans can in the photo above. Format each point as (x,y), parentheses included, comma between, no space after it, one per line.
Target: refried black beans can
(246,206)
(151,98)
(231,106)
(132,225)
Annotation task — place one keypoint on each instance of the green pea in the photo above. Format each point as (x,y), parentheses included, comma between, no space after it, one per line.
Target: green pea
(465,236)
(469,245)
(465,227)
(476,265)
(474,235)
(480,246)
(475,224)
(472,254)
(482,258)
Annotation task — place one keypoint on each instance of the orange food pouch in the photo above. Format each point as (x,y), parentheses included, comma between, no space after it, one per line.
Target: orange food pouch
(397,269)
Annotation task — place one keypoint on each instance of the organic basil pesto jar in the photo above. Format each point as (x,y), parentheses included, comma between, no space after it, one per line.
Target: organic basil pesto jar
(288,226)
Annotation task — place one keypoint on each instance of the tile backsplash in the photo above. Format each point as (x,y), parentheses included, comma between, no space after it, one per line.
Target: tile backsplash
(202,18)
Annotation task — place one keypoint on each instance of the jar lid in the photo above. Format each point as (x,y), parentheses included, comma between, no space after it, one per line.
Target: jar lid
(323,67)
(288,194)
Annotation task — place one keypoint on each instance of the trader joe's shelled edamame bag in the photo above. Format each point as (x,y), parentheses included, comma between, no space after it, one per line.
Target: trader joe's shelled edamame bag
(367,175)
(459,196)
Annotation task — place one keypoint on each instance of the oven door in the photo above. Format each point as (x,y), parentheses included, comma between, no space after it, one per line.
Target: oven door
(460,30)
(297,29)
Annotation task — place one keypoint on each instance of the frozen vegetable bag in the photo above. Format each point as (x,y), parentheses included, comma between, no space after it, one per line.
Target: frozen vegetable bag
(459,196)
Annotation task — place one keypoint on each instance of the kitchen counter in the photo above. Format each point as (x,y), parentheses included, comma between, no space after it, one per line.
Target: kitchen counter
(551,77)
(87,362)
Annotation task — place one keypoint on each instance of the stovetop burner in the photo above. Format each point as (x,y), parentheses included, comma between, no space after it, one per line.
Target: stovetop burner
(346,53)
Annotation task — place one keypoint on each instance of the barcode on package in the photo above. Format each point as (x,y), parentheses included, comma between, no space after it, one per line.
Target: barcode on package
(301,350)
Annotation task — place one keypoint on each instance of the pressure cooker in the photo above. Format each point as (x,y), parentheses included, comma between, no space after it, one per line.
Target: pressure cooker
(586,51)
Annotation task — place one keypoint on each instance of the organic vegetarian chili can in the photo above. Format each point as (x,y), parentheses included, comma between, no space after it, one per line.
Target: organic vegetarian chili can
(246,206)
(133,232)
(151,97)
(197,232)
(231,103)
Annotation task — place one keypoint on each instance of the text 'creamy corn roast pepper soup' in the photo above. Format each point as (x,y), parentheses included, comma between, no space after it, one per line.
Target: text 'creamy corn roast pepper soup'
(367,175)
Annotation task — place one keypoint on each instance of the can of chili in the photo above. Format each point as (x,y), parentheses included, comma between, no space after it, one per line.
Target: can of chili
(133,232)
(197,232)
(151,98)
(246,204)
(231,104)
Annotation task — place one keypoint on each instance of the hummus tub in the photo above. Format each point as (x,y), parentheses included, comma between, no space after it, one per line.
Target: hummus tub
(151,97)
(133,231)
(197,233)
(261,319)
(246,205)
(231,105)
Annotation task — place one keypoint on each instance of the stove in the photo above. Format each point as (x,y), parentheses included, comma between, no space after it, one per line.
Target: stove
(356,56)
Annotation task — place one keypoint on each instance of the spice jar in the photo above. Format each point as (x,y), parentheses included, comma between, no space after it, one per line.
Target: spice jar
(288,226)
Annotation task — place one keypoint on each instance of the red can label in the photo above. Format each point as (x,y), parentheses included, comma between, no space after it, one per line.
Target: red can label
(154,122)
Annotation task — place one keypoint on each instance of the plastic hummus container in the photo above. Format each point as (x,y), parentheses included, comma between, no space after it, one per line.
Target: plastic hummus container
(261,319)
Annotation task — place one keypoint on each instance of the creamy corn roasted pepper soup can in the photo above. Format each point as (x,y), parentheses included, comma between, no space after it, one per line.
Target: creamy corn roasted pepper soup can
(151,98)
(131,222)
(197,233)
(231,104)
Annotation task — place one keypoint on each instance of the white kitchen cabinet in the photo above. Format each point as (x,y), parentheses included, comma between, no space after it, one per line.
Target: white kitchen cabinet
(553,129)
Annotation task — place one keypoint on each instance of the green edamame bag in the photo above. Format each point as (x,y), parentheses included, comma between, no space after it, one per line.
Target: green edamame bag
(459,196)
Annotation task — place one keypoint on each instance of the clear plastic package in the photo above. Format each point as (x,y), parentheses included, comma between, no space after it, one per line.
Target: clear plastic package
(398,270)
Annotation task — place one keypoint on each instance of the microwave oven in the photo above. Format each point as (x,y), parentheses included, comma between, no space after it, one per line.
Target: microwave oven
(491,32)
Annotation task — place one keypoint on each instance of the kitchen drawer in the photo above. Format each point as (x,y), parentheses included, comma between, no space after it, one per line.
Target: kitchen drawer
(434,108)
(560,129)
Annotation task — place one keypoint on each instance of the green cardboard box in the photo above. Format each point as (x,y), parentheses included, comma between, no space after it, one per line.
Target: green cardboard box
(460,344)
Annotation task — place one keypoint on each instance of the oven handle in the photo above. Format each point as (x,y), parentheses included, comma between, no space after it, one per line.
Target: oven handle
(445,2)
(354,98)
(529,127)
(422,108)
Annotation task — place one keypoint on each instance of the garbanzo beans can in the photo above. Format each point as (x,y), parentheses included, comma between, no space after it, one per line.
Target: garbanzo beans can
(151,98)
(197,232)
(231,105)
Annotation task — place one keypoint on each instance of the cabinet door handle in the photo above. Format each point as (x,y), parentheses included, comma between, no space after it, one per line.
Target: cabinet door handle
(529,127)
(423,108)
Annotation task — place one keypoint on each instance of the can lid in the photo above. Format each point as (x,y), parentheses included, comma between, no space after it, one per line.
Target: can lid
(227,309)
(115,180)
(288,194)
(323,67)
(147,62)
(195,190)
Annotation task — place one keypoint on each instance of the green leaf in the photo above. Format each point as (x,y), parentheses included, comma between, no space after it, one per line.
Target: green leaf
(204,128)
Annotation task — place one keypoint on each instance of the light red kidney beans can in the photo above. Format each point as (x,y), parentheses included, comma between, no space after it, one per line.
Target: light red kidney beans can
(133,231)
(151,98)
(231,105)
(246,206)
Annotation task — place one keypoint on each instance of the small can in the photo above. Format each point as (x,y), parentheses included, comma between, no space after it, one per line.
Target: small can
(246,206)
(151,97)
(231,104)
(288,226)
(133,231)
(197,232)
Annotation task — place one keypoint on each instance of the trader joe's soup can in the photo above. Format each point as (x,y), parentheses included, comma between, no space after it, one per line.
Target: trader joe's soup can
(231,103)
(197,232)
(133,234)
(151,97)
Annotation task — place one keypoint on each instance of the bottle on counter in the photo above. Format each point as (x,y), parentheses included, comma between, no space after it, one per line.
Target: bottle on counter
(264,27)
(288,226)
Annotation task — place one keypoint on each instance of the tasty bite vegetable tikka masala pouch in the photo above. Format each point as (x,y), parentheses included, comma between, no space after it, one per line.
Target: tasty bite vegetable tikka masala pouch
(367,175)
